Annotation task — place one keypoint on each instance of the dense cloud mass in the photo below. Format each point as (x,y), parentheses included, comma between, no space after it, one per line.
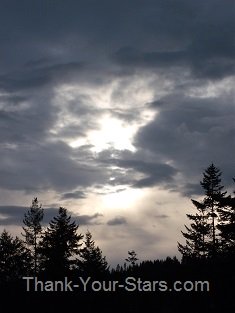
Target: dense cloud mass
(14,215)
(101,97)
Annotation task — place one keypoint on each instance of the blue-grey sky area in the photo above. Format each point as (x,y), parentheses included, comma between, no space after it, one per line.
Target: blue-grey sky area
(113,109)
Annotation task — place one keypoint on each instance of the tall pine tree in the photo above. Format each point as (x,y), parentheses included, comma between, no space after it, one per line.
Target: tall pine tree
(15,258)
(196,235)
(33,229)
(226,225)
(92,262)
(201,237)
(213,190)
(60,245)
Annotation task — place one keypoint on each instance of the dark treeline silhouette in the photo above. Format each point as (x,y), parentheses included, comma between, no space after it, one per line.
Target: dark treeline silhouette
(57,251)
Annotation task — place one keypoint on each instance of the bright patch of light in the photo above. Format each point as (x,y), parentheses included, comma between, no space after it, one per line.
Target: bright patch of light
(112,133)
(78,142)
(105,128)
(122,199)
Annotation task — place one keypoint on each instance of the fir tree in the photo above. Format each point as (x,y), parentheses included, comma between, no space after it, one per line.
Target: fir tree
(213,190)
(33,229)
(196,244)
(132,258)
(201,239)
(15,258)
(60,245)
(92,262)
(226,224)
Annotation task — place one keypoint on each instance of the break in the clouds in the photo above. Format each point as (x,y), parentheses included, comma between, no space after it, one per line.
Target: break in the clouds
(105,105)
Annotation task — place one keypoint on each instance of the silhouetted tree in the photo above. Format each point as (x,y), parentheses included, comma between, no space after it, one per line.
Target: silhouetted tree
(226,224)
(60,245)
(196,245)
(200,237)
(15,258)
(132,257)
(32,229)
(92,262)
(213,190)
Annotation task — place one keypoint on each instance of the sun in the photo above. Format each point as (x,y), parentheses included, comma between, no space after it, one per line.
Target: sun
(112,133)
(122,199)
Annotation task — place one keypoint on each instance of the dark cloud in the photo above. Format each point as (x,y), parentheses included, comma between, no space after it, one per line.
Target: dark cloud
(191,133)
(46,166)
(158,33)
(152,173)
(89,219)
(78,194)
(186,36)
(40,76)
(14,215)
(117,221)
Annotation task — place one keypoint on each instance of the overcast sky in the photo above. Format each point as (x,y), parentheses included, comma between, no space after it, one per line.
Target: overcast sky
(113,109)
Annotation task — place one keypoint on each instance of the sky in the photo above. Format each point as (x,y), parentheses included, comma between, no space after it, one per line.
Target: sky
(113,110)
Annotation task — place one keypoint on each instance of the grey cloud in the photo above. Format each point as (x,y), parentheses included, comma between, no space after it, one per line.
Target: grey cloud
(117,221)
(160,216)
(186,35)
(198,34)
(89,219)
(191,133)
(14,215)
(47,166)
(40,77)
(78,194)
(155,172)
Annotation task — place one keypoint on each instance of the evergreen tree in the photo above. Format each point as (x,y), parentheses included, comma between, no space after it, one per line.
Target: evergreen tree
(226,224)
(213,190)
(201,239)
(15,258)
(196,244)
(33,229)
(60,245)
(132,257)
(92,263)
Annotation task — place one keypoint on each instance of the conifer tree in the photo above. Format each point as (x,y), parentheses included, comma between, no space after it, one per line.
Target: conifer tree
(15,258)
(33,229)
(201,237)
(226,224)
(196,244)
(92,262)
(132,258)
(213,190)
(60,245)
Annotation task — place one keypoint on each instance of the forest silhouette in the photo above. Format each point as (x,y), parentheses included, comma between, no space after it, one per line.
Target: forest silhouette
(59,251)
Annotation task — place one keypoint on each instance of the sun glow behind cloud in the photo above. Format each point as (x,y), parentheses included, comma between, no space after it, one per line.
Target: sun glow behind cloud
(108,119)
(122,199)
(112,133)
